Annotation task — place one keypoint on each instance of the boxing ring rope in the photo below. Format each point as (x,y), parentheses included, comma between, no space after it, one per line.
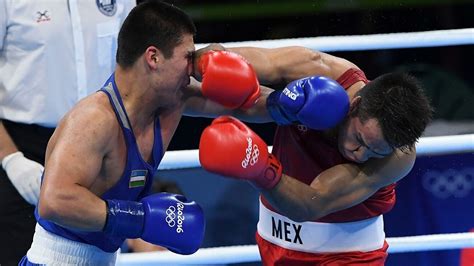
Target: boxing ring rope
(370,42)
(249,253)
(427,146)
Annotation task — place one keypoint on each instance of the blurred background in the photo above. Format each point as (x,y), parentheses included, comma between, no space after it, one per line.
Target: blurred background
(424,206)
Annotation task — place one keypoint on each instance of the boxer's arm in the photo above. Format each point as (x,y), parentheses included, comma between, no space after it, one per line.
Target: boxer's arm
(273,66)
(196,105)
(337,188)
(75,155)
(285,64)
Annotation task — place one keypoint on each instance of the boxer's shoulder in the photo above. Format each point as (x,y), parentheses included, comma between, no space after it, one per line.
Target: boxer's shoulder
(92,119)
(94,111)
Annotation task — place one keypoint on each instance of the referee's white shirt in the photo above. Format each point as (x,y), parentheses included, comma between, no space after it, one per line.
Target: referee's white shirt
(53,53)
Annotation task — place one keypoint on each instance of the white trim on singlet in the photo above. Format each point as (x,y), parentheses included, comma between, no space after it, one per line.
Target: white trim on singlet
(315,237)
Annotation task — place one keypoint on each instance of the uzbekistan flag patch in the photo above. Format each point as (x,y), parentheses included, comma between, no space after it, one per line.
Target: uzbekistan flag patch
(137,178)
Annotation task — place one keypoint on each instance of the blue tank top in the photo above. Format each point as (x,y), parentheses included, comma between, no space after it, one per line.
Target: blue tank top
(134,184)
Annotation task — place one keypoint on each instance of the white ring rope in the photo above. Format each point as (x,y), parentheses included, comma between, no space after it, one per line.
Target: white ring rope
(426,146)
(249,253)
(369,42)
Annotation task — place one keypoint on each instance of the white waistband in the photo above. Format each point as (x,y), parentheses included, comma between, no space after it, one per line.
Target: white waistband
(315,237)
(51,249)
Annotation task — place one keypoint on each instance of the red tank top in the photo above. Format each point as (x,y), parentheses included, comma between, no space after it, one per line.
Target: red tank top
(304,154)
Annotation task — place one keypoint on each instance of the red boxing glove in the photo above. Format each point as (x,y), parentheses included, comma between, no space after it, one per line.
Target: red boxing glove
(228,79)
(228,147)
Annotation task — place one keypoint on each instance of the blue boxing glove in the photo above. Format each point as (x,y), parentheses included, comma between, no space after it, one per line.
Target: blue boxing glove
(174,222)
(163,219)
(316,102)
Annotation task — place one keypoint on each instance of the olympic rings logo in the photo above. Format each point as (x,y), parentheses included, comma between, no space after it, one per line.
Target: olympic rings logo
(171,216)
(450,183)
(251,154)
(175,216)
(255,154)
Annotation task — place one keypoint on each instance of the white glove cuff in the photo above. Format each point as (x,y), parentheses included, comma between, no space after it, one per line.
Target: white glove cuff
(9,157)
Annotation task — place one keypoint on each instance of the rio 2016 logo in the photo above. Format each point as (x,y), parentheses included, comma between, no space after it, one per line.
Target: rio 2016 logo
(251,154)
(175,216)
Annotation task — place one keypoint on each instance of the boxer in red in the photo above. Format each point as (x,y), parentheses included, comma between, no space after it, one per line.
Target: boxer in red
(330,178)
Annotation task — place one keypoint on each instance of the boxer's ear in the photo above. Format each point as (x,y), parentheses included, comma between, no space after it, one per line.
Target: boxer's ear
(153,57)
(354,105)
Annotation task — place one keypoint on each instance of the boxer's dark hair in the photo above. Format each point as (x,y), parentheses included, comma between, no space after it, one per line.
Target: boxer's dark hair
(398,102)
(152,23)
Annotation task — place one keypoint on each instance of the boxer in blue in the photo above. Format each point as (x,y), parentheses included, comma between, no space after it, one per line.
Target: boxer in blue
(101,160)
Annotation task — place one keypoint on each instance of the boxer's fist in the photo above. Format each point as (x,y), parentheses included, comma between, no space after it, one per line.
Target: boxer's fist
(173,222)
(228,79)
(228,147)
(316,102)
(164,219)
